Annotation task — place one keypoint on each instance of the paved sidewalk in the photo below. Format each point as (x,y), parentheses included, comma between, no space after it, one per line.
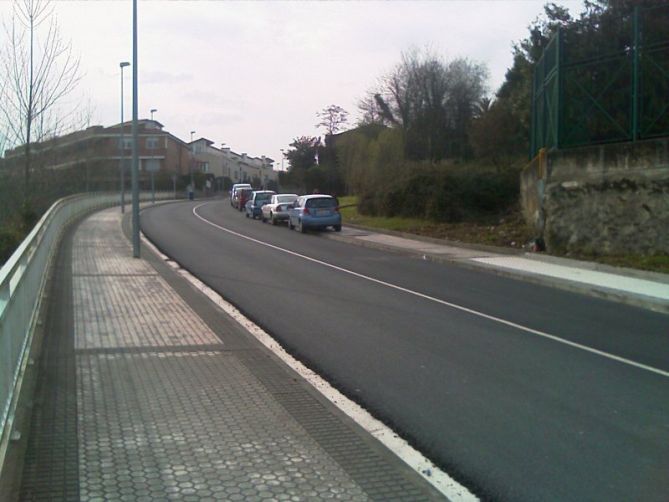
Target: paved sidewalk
(145,395)
(644,289)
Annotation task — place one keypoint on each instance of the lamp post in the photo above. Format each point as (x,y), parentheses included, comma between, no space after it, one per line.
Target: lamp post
(135,145)
(191,161)
(122,145)
(153,110)
(283,155)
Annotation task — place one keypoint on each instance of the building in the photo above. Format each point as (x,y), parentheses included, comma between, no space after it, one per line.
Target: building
(224,164)
(95,154)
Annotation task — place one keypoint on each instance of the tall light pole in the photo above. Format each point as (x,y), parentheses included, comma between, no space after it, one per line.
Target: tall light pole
(135,142)
(191,161)
(283,155)
(122,145)
(153,110)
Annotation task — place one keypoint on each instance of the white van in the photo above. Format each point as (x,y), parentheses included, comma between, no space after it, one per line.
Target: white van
(235,187)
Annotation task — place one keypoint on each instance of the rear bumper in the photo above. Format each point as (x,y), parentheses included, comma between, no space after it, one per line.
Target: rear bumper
(280,216)
(322,221)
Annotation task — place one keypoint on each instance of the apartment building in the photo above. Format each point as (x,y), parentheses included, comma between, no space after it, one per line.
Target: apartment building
(223,163)
(97,152)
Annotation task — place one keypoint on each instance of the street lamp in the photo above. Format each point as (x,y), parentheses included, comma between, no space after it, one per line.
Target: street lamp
(153,110)
(135,134)
(192,183)
(122,145)
(283,156)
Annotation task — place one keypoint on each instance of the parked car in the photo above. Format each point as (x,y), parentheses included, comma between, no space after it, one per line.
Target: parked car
(277,208)
(240,198)
(314,211)
(255,203)
(233,191)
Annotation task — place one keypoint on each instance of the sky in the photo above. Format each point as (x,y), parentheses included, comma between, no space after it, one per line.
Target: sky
(254,74)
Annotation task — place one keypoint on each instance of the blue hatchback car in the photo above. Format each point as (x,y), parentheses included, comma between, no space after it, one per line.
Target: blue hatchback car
(258,199)
(314,211)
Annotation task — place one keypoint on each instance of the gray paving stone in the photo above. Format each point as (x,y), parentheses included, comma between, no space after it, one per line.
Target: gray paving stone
(163,411)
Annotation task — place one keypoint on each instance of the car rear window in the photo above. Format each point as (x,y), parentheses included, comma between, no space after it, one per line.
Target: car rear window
(286,198)
(263,196)
(245,192)
(321,203)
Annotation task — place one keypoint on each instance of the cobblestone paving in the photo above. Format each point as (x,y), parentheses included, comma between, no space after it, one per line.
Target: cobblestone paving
(193,424)
(122,302)
(177,423)
(165,411)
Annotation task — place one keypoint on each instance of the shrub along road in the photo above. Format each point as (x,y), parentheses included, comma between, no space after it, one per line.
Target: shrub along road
(513,415)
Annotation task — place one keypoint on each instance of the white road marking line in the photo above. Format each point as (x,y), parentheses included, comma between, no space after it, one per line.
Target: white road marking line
(413,458)
(520,327)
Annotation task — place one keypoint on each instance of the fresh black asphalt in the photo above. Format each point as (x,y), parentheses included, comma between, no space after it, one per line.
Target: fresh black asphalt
(512,415)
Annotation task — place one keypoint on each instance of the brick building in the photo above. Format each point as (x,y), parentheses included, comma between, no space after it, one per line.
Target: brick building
(94,155)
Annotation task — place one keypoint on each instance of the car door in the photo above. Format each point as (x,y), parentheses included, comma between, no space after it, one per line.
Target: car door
(294,210)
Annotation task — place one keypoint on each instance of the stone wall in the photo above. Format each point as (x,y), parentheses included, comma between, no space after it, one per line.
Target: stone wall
(607,199)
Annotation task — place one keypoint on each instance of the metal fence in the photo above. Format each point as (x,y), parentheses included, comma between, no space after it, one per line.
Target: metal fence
(592,90)
(22,281)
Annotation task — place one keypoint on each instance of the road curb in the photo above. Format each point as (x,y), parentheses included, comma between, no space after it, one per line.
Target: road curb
(633,299)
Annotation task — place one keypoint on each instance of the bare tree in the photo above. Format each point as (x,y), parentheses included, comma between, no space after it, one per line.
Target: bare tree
(40,70)
(332,118)
(370,112)
(431,100)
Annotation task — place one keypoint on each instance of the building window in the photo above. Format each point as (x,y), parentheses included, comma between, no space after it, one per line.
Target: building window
(204,167)
(152,143)
(127,143)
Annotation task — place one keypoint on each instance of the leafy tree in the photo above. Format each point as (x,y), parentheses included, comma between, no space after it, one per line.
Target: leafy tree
(303,151)
(496,135)
(302,157)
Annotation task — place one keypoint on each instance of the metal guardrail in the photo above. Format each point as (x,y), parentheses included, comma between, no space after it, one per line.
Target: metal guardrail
(22,282)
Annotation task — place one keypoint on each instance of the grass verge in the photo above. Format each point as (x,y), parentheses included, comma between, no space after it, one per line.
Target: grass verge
(507,231)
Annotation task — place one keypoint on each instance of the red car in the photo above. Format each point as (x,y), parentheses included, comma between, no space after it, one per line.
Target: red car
(241,196)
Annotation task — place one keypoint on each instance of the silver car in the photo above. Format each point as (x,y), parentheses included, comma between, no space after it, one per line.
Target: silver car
(277,209)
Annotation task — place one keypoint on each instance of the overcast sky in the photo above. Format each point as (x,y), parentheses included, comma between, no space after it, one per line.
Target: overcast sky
(254,74)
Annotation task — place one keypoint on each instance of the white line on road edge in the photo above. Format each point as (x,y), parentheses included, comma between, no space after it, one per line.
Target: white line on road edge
(418,462)
(437,300)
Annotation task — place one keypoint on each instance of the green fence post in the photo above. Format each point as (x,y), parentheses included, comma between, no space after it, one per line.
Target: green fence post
(635,77)
(558,79)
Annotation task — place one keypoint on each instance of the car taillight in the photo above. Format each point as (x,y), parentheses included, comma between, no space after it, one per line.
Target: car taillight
(306,210)
(336,209)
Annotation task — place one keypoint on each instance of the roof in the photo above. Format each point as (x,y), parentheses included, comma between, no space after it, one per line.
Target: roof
(318,196)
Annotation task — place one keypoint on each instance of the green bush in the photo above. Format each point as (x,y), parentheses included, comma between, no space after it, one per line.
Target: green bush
(449,193)
(10,238)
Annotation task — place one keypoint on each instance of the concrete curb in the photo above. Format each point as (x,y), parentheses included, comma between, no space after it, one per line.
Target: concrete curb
(615,295)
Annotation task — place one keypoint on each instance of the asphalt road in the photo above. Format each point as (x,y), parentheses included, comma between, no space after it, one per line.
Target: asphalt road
(510,413)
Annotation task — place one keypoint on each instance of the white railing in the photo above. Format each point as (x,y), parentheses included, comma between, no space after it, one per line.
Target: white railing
(22,282)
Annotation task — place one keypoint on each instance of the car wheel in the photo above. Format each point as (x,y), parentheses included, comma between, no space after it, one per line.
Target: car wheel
(337,228)
(301,228)
(263,219)
(246,214)
(274,222)
(290,224)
